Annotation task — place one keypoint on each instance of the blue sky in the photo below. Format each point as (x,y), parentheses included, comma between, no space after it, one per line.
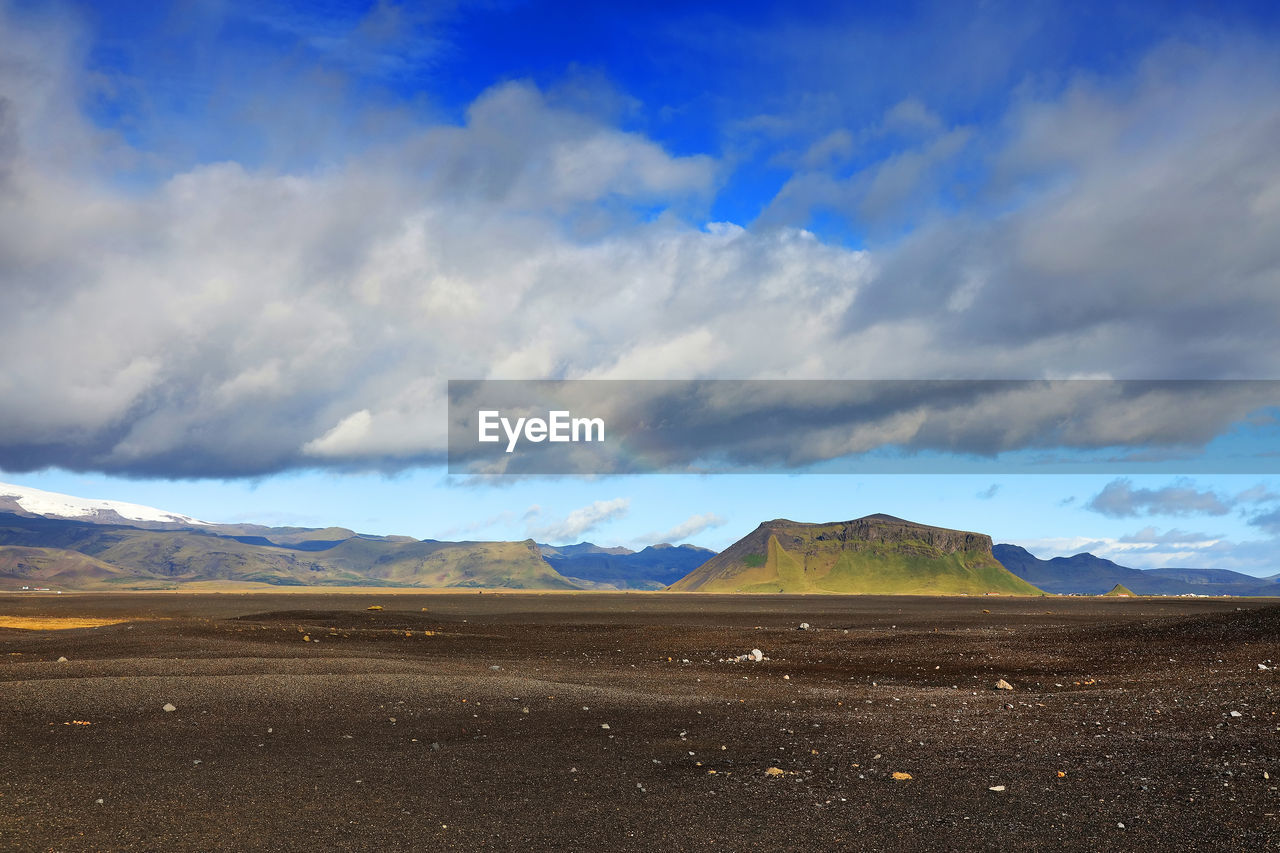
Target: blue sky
(244,245)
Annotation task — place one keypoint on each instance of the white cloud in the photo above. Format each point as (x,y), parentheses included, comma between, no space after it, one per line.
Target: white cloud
(685,530)
(572,527)
(911,115)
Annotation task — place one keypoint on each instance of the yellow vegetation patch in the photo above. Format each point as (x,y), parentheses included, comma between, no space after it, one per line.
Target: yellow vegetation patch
(54,623)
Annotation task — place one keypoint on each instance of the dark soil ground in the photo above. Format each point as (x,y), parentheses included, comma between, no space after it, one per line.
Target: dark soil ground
(490,732)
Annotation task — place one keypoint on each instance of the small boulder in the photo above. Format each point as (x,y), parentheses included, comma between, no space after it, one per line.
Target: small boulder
(64,660)
(1003,685)
(756,655)
(168,707)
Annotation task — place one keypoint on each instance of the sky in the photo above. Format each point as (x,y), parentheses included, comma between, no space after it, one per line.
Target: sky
(243,247)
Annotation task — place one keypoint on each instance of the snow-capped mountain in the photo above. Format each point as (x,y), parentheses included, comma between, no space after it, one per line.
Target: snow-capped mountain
(53,505)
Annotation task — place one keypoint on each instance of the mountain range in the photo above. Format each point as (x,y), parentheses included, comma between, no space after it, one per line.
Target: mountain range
(654,567)
(65,542)
(61,541)
(1085,574)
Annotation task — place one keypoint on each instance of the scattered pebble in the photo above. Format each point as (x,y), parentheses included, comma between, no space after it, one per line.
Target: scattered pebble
(168,707)
(996,788)
(64,660)
(1003,685)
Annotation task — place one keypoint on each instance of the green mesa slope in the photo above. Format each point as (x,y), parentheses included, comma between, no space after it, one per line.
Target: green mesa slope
(875,555)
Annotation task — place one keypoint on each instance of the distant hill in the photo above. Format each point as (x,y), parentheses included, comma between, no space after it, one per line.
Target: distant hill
(56,567)
(1213,578)
(1118,590)
(1082,574)
(1086,574)
(877,554)
(94,555)
(653,567)
(582,549)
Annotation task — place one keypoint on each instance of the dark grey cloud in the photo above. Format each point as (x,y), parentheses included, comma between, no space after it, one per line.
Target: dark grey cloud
(1267,521)
(1120,499)
(862,425)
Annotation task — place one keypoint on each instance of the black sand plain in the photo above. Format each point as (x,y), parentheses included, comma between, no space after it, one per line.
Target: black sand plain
(489,732)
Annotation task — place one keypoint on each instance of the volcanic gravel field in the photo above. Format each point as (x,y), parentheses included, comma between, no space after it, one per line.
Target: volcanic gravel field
(596,722)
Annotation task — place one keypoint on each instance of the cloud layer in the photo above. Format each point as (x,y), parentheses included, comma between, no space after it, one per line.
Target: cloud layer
(231,319)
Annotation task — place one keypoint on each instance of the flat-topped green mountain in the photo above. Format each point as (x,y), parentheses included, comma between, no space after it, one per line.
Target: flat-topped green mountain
(875,555)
